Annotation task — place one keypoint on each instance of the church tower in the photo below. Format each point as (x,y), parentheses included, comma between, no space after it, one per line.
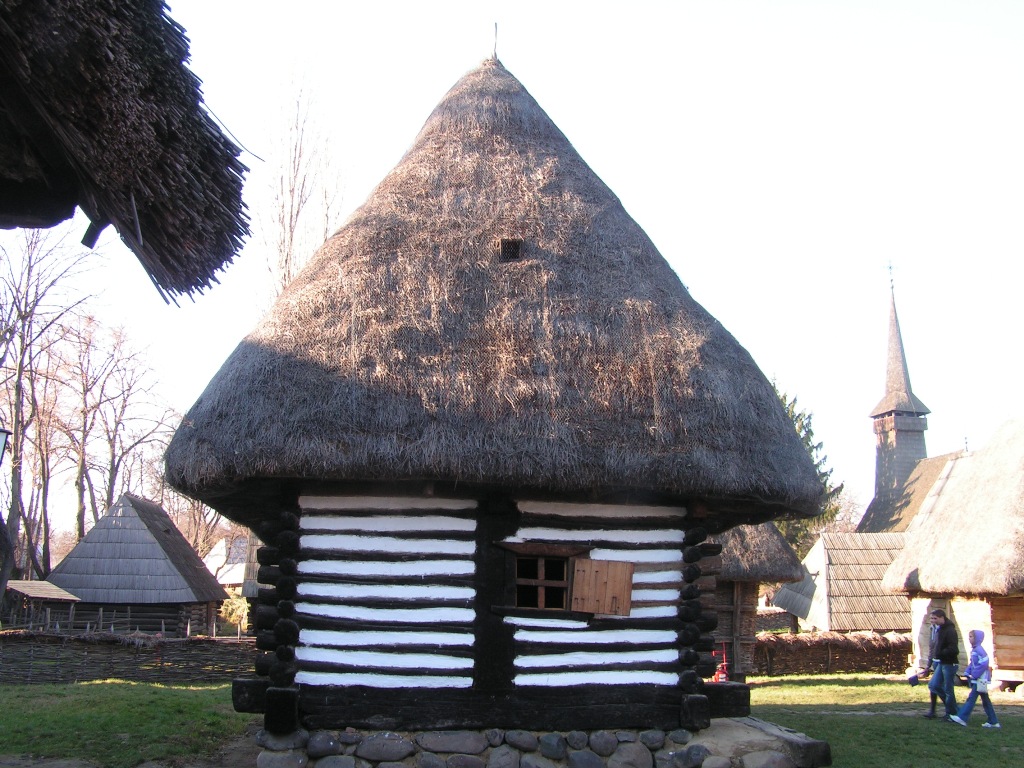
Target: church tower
(899,421)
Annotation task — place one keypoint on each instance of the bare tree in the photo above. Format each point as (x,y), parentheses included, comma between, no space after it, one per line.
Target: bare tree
(304,212)
(34,289)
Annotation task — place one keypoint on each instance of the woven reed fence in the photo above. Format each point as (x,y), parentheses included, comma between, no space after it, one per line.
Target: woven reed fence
(32,658)
(818,653)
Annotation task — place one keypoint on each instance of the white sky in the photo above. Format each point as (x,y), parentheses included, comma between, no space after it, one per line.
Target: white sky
(781,156)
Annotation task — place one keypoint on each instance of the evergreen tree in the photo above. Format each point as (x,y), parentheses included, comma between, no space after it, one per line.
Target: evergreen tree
(802,532)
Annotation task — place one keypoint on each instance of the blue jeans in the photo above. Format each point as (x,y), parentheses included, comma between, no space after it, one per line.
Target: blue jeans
(941,685)
(986,702)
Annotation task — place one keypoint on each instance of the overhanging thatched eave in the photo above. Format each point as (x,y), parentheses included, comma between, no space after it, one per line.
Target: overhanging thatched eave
(99,111)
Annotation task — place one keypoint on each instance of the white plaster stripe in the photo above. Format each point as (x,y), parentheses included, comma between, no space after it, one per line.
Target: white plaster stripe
(375,659)
(388,503)
(378,568)
(389,524)
(408,615)
(387,591)
(386,544)
(628,677)
(382,681)
(529,621)
(652,612)
(638,555)
(586,659)
(620,537)
(561,509)
(655,595)
(600,637)
(657,577)
(331,637)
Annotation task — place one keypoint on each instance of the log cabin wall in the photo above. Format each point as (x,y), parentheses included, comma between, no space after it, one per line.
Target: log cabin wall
(1007,637)
(394,597)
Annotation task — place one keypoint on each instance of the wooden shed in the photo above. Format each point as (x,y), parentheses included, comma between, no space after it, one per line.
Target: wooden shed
(36,605)
(99,111)
(841,589)
(135,571)
(484,435)
(752,555)
(964,552)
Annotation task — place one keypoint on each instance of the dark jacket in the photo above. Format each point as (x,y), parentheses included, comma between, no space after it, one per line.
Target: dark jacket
(947,644)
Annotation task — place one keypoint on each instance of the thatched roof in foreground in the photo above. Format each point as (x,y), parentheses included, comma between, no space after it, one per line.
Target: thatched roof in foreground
(408,349)
(969,540)
(135,555)
(40,590)
(98,111)
(757,553)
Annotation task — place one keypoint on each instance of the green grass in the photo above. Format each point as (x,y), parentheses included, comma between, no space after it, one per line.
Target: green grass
(117,724)
(872,720)
(868,721)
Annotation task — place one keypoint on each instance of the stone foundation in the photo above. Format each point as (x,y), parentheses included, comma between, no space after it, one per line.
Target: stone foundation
(729,743)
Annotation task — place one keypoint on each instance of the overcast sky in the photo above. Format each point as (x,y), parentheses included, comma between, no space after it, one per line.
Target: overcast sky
(783,157)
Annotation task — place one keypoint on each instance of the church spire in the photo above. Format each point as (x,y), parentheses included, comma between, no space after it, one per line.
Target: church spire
(899,397)
(899,421)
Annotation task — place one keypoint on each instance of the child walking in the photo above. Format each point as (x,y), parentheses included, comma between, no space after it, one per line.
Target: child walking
(977,670)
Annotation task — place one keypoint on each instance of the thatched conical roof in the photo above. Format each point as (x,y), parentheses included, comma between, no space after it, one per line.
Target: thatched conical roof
(99,111)
(408,349)
(968,537)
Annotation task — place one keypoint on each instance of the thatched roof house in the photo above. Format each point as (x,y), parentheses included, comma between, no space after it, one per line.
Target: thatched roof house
(135,563)
(488,404)
(98,111)
(965,548)
(752,555)
(841,585)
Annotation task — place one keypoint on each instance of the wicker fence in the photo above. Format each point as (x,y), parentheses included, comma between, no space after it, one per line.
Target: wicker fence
(30,657)
(817,653)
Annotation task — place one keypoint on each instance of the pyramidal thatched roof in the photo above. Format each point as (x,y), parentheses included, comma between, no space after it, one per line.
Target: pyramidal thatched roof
(98,111)
(757,553)
(408,349)
(135,555)
(968,537)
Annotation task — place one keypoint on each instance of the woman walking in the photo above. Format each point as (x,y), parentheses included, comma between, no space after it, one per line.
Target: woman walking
(979,674)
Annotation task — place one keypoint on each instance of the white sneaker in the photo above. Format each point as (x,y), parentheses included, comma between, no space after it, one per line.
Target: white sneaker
(956,719)
(991,725)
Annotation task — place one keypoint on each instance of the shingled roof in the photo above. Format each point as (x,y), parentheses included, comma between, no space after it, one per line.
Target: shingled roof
(98,111)
(491,315)
(968,539)
(135,555)
(893,512)
(842,586)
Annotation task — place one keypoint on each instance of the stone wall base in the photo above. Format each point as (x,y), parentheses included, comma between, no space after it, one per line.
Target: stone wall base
(729,743)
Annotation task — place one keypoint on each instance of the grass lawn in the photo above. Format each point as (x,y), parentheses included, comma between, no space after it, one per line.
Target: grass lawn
(876,721)
(117,724)
(868,720)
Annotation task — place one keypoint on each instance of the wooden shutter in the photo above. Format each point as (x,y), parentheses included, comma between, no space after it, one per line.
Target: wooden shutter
(602,587)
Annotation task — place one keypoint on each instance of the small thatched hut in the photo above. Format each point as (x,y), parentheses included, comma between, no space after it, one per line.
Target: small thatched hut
(964,552)
(134,570)
(841,585)
(486,432)
(752,555)
(98,111)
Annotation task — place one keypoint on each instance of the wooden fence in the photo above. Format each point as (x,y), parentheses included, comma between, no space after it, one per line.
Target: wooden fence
(818,653)
(30,657)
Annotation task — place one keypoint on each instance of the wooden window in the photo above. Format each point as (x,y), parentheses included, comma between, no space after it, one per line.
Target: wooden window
(602,586)
(553,577)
